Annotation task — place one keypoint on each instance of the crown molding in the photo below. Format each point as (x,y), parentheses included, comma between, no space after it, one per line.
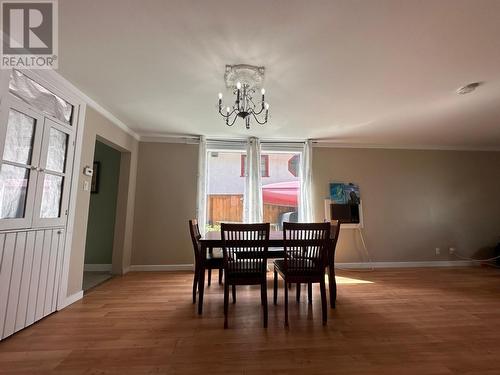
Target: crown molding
(55,78)
(333,144)
(168,138)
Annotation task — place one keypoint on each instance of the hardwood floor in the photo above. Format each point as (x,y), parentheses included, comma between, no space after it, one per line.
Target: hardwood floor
(408,321)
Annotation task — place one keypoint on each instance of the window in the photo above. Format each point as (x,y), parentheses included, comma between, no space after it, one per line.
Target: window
(280,193)
(225,188)
(264,165)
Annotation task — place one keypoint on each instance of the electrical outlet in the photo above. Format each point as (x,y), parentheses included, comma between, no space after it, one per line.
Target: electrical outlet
(438,251)
(452,250)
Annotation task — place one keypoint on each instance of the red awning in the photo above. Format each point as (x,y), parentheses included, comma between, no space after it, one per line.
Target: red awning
(281,193)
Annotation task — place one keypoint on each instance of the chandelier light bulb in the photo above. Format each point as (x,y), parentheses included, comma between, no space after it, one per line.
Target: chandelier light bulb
(220,95)
(228,109)
(238,85)
(267,106)
(263,91)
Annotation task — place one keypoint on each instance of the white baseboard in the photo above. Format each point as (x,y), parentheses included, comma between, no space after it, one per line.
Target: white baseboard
(97,267)
(162,267)
(71,299)
(438,263)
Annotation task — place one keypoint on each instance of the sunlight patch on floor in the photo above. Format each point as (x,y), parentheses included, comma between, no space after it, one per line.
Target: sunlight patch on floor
(349,280)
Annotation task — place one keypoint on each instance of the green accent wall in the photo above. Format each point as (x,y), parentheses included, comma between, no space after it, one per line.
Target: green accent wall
(102,210)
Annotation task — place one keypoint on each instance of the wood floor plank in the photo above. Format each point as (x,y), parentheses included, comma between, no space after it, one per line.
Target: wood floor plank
(408,321)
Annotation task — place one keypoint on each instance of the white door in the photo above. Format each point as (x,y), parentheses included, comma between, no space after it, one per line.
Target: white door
(36,155)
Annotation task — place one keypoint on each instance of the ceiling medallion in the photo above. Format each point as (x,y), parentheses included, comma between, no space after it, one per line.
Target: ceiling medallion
(244,80)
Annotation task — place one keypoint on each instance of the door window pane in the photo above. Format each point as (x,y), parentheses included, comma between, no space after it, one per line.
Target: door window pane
(13,189)
(56,156)
(51,196)
(280,191)
(19,138)
(39,97)
(225,189)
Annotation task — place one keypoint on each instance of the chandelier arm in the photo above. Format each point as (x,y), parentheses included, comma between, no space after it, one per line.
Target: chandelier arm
(227,115)
(261,110)
(232,123)
(256,119)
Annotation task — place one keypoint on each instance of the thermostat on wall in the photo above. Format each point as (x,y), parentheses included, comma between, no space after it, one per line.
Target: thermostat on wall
(87,171)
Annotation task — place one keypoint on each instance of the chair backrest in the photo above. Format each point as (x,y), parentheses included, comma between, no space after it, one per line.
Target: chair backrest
(306,246)
(194,230)
(245,247)
(335,231)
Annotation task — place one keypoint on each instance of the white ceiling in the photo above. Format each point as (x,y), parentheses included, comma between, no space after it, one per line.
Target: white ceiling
(366,72)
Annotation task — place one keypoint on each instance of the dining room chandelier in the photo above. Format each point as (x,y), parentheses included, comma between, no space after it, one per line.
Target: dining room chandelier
(244,81)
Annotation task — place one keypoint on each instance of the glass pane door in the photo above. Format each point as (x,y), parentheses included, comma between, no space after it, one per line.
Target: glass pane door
(225,188)
(20,142)
(54,172)
(280,187)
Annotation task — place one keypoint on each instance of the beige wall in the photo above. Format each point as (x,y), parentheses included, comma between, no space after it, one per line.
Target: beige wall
(414,201)
(98,126)
(165,201)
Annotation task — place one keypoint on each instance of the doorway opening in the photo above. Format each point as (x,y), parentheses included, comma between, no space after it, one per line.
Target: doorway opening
(102,216)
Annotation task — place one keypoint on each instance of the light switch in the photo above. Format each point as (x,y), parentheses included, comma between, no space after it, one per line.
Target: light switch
(86,185)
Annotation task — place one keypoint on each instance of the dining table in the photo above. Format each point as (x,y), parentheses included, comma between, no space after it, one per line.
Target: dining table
(212,240)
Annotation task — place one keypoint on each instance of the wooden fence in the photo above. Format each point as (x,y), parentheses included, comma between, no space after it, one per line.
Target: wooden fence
(229,208)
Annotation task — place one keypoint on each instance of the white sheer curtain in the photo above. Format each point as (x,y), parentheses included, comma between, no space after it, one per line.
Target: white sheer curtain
(201,199)
(252,202)
(305,198)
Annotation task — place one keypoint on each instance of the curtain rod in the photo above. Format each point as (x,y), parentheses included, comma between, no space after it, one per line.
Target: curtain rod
(244,140)
(284,142)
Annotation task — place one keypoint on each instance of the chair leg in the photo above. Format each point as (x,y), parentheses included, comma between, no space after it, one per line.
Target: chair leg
(234,293)
(286,306)
(310,293)
(323,299)
(332,286)
(195,283)
(201,288)
(226,301)
(209,276)
(298,292)
(275,288)
(221,272)
(263,292)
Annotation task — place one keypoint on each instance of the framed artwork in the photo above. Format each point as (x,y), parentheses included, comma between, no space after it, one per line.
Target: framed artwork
(94,185)
(344,193)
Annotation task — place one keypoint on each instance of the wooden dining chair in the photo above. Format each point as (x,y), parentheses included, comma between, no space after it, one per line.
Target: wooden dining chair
(245,248)
(306,251)
(211,260)
(334,236)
